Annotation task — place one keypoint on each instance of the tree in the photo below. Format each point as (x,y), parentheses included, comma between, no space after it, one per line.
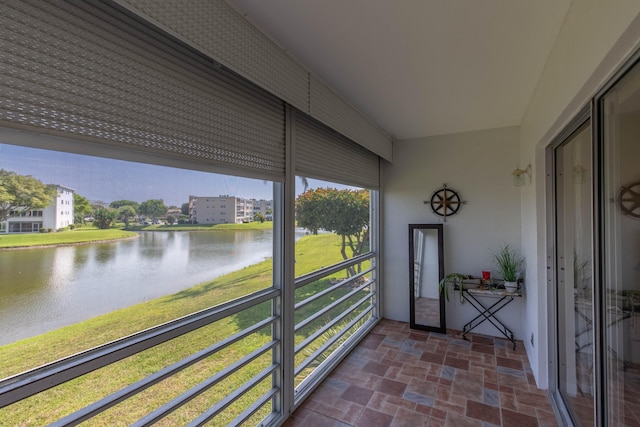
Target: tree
(153,208)
(172,219)
(125,213)
(120,203)
(185,209)
(81,208)
(22,192)
(344,212)
(103,218)
(258,217)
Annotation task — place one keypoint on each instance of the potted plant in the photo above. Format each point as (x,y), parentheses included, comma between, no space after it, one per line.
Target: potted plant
(509,264)
(453,280)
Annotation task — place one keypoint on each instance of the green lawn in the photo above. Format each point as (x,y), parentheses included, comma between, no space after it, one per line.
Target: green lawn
(82,235)
(312,252)
(90,234)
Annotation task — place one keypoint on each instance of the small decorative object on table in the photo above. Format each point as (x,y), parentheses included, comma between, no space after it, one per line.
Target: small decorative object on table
(510,265)
(486,279)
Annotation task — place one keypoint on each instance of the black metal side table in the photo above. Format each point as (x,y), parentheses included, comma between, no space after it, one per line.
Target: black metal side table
(489,313)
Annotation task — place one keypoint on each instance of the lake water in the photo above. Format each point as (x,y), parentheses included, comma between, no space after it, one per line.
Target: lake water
(47,288)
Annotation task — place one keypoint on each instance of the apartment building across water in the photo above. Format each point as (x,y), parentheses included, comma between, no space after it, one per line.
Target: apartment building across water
(58,214)
(227,209)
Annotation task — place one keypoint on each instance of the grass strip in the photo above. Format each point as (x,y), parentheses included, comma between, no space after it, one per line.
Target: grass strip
(89,235)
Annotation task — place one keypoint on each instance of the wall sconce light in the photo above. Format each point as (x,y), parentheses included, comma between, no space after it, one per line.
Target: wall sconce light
(579,174)
(518,176)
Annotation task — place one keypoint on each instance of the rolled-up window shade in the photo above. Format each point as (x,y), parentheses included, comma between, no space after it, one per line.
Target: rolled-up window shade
(322,153)
(83,70)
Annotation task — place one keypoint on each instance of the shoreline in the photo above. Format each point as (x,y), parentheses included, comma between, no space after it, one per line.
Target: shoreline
(137,234)
(60,245)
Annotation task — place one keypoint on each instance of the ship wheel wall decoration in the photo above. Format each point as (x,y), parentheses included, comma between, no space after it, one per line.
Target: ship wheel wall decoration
(445,202)
(629,199)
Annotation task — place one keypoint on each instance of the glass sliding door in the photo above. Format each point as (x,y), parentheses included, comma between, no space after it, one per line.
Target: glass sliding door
(575,313)
(595,228)
(620,209)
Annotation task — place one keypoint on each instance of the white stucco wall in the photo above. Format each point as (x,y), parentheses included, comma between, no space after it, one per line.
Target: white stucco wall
(476,164)
(595,39)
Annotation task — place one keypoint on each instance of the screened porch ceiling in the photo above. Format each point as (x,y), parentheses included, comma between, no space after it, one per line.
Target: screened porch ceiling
(420,67)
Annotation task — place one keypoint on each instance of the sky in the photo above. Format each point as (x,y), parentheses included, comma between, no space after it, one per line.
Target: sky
(101,179)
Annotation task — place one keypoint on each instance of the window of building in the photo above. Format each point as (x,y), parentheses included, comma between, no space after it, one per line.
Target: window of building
(223,329)
(335,294)
(574,206)
(86,295)
(620,250)
(595,228)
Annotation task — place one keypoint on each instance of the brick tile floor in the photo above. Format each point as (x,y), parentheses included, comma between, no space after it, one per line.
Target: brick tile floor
(400,377)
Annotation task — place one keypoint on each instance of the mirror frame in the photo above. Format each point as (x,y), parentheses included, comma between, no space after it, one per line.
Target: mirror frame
(412,311)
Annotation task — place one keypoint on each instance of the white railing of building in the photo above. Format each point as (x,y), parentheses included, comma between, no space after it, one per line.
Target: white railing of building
(48,376)
(348,334)
(24,385)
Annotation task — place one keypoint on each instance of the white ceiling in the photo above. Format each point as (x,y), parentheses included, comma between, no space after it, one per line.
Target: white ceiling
(420,67)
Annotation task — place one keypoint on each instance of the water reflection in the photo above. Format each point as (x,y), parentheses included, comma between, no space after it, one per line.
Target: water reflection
(46,288)
(104,253)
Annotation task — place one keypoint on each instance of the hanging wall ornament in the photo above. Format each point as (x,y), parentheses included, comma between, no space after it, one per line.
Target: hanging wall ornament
(445,202)
(629,199)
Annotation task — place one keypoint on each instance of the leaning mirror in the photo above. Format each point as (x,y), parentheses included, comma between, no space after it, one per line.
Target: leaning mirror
(426,269)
